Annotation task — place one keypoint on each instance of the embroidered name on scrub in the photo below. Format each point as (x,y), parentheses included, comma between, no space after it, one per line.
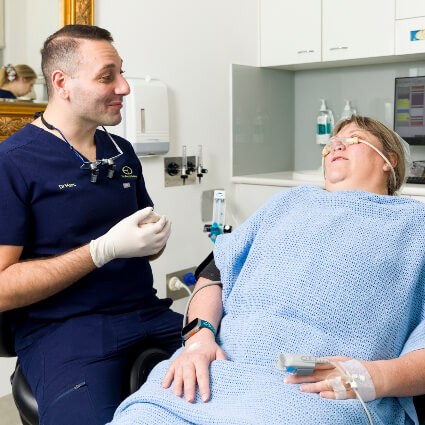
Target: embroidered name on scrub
(65,185)
(127,172)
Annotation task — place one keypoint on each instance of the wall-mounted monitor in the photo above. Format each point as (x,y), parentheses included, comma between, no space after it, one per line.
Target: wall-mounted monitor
(409,109)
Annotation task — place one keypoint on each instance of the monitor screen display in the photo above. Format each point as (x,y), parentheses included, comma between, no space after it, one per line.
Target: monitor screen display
(409,109)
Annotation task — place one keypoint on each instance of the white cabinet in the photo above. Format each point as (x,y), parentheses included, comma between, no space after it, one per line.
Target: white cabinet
(290,32)
(357,29)
(312,31)
(409,9)
(247,198)
(410,27)
(410,36)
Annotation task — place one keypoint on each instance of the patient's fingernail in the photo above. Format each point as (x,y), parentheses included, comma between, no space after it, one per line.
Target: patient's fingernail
(302,388)
(204,397)
(285,381)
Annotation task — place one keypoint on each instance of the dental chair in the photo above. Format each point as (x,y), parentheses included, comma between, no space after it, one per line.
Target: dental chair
(138,370)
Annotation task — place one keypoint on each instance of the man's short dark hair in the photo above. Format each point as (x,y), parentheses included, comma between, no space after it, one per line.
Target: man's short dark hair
(60,50)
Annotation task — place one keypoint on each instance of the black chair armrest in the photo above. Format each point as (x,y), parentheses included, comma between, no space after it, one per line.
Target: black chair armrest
(204,263)
(23,397)
(143,365)
(7,348)
(419,402)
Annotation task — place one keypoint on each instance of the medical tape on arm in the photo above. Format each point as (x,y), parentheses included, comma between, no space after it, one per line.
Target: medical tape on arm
(338,388)
(360,379)
(194,346)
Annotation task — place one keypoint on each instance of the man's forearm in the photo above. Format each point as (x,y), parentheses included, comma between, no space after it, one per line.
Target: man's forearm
(28,282)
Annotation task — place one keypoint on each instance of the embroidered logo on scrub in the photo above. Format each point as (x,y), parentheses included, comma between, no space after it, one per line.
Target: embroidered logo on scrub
(127,172)
(66,185)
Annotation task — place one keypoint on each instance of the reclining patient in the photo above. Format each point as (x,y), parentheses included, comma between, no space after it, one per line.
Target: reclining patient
(336,273)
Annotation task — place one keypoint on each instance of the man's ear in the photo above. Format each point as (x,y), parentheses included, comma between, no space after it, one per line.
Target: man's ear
(393,160)
(60,82)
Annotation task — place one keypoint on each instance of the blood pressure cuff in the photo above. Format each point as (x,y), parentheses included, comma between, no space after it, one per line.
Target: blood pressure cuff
(207,269)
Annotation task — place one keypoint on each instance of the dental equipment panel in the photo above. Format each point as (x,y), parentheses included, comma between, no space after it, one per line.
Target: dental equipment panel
(183,170)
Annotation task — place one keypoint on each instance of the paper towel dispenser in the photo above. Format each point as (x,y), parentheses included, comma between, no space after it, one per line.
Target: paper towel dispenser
(145,117)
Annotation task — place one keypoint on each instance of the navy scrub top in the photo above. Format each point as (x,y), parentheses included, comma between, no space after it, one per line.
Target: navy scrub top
(49,206)
(6,94)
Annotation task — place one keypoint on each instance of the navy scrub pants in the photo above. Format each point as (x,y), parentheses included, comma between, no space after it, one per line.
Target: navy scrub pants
(75,368)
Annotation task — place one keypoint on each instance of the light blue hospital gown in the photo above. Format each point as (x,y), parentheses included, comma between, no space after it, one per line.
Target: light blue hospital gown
(338,273)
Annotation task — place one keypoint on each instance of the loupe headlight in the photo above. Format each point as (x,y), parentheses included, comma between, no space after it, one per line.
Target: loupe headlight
(94,172)
(111,167)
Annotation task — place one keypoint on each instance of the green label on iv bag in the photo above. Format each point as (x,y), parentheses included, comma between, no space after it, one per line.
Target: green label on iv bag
(328,128)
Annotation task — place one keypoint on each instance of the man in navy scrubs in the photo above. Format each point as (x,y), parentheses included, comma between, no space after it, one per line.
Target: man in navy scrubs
(74,256)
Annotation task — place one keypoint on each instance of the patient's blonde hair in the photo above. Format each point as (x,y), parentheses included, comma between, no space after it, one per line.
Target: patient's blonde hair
(389,142)
(22,70)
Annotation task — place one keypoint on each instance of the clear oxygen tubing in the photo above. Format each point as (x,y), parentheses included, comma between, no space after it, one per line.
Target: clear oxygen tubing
(408,162)
(215,282)
(325,153)
(349,380)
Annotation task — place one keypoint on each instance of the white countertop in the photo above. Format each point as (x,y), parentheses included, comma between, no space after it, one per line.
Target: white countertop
(296,178)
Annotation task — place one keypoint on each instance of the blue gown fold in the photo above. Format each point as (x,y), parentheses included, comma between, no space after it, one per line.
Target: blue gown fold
(315,272)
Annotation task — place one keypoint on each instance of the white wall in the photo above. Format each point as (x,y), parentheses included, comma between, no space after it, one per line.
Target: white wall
(189,45)
(27,25)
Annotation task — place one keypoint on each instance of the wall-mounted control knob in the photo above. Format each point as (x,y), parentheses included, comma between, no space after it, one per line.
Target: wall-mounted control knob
(172,169)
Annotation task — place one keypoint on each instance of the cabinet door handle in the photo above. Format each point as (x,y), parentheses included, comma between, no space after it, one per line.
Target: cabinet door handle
(311,51)
(302,51)
(338,48)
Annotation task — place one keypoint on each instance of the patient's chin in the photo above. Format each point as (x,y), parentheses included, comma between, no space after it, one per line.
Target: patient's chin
(335,177)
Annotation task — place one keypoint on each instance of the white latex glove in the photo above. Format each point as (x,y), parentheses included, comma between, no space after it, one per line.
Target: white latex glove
(131,238)
(153,217)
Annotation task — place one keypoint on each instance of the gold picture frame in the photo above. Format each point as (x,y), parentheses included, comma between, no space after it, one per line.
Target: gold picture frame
(77,12)
(15,114)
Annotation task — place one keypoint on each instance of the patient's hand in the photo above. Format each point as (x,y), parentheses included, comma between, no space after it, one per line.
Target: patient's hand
(192,366)
(320,381)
